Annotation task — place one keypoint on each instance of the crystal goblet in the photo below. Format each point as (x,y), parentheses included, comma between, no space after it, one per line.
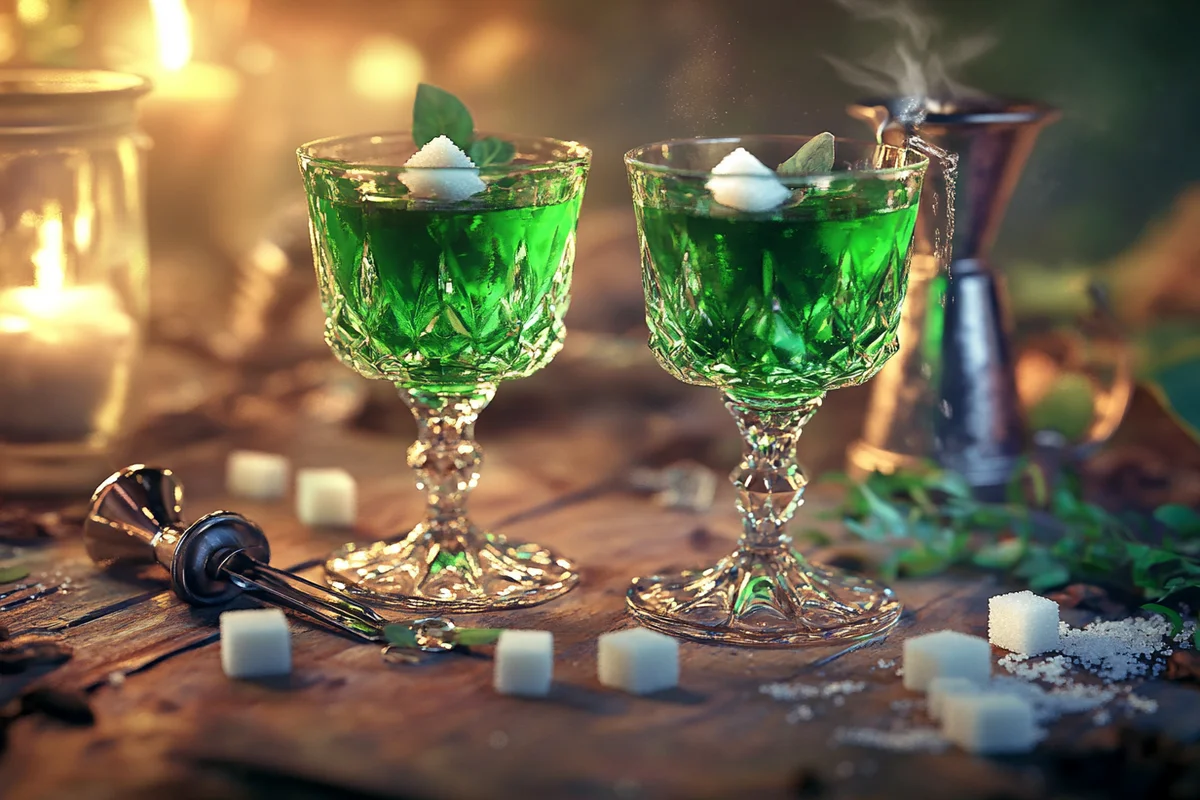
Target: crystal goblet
(774,307)
(445,299)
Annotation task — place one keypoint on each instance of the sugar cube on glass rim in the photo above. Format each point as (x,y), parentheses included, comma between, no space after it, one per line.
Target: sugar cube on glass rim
(255,643)
(1023,622)
(638,660)
(989,723)
(326,497)
(440,170)
(524,663)
(941,688)
(947,654)
(256,475)
(743,182)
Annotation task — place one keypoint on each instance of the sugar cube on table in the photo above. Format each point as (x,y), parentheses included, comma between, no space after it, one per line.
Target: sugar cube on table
(524,663)
(945,654)
(638,660)
(743,182)
(1023,622)
(941,688)
(990,723)
(326,497)
(255,643)
(255,475)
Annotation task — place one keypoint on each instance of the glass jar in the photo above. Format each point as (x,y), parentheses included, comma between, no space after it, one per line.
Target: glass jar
(73,272)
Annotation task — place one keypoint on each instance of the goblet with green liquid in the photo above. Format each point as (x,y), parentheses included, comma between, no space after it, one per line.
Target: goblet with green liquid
(445,298)
(775,307)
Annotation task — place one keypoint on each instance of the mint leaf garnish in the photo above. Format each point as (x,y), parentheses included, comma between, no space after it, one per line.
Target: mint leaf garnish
(436,113)
(816,156)
(490,150)
(13,573)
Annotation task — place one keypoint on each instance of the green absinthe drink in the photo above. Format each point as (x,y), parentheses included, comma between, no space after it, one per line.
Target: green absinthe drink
(775,285)
(780,304)
(445,274)
(449,297)
(445,295)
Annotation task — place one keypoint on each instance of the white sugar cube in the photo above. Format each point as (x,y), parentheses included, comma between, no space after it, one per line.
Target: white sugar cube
(990,723)
(524,663)
(326,497)
(947,654)
(441,171)
(255,475)
(743,182)
(638,660)
(1023,622)
(255,643)
(941,688)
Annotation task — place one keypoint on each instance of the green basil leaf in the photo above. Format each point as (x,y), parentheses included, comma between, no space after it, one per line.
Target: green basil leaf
(436,113)
(815,157)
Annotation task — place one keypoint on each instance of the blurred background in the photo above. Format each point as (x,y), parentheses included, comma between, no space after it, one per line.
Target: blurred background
(1108,196)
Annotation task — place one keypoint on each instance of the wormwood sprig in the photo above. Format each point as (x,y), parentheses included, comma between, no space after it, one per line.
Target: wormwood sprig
(1043,536)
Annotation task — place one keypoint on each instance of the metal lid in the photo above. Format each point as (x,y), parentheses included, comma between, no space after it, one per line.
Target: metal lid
(54,100)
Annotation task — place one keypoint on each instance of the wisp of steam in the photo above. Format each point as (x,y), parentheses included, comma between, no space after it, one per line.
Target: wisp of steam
(914,70)
(913,67)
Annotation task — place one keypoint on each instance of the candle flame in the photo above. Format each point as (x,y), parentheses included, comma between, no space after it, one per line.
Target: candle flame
(173,25)
(48,268)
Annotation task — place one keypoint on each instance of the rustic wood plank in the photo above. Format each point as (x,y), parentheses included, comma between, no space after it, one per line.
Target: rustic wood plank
(347,722)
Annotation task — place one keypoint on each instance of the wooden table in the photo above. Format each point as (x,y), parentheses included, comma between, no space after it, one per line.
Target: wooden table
(346,725)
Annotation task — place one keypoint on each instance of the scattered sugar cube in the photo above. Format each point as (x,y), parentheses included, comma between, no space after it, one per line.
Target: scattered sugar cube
(524,663)
(945,654)
(743,182)
(326,497)
(1023,622)
(255,643)
(256,475)
(442,171)
(990,723)
(941,688)
(638,660)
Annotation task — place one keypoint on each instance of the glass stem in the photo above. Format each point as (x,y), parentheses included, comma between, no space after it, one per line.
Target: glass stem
(769,482)
(445,456)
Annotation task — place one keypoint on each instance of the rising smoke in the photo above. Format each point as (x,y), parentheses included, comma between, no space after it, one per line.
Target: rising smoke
(916,66)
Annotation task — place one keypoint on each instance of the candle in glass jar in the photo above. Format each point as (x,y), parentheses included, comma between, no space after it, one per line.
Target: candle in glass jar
(65,354)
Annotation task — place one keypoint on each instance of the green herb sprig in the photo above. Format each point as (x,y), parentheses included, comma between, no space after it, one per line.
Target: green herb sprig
(437,112)
(1041,536)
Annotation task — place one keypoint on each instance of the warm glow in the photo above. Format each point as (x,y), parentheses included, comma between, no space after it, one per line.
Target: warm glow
(33,12)
(85,214)
(386,68)
(48,267)
(173,25)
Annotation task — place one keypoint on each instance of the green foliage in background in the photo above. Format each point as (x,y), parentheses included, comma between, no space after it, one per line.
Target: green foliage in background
(1044,536)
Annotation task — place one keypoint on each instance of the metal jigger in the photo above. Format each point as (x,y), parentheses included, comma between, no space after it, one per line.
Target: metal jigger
(950,392)
(135,518)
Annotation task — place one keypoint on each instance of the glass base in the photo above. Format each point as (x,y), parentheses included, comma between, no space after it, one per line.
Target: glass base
(451,569)
(765,599)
